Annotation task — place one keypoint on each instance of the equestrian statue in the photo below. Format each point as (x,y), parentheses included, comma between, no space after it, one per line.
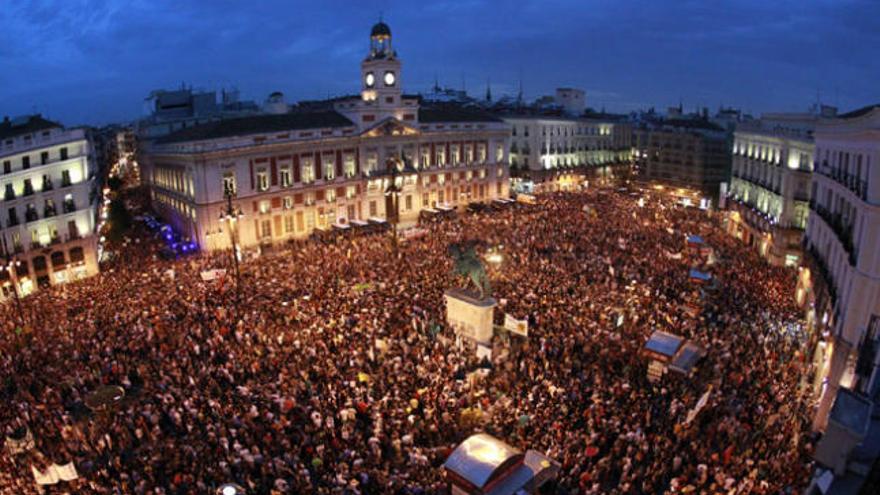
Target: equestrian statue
(468,264)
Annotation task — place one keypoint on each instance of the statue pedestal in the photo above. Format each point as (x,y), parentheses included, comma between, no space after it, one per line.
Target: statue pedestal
(470,316)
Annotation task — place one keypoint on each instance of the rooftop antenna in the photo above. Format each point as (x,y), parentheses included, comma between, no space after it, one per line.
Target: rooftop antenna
(436,83)
(488,90)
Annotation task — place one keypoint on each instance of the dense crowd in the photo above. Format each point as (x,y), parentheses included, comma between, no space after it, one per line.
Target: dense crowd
(336,374)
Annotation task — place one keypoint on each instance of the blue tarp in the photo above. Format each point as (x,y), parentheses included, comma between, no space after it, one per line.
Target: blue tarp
(697,274)
(695,239)
(664,343)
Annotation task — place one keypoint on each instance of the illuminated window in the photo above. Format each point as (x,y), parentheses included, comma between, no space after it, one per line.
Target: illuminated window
(284,177)
(425,157)
(409,202)
(330,195)
(372,162)
(350,192)
(262,179)
(228,183)
(265,206)
(288,202)
(288,224)
(329,168)
(308,171)
(349,168)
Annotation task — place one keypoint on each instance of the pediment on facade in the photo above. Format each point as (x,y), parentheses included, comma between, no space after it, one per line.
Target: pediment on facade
(390,127)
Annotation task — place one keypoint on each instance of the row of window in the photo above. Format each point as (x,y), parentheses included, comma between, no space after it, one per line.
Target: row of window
(559,130)
(855,164)
(27,186)
(307,175)
(44,236)
(25,160)
(32,214)
(39,264)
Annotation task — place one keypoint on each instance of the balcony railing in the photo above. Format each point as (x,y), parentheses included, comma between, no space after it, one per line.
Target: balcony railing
(858,186)
(842,229)
(818,263)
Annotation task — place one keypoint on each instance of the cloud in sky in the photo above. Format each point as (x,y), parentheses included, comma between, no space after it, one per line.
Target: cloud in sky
(94,61)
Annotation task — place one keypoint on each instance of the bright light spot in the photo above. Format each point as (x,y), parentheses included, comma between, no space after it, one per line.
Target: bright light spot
(229,490)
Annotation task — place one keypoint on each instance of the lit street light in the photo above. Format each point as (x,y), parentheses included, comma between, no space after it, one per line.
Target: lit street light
(392,202)
(231,216)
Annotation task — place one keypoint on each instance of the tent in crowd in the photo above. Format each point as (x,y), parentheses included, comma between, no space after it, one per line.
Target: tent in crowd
(484,465)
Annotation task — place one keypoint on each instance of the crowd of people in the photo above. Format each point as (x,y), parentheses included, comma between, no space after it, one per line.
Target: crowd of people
(332,371)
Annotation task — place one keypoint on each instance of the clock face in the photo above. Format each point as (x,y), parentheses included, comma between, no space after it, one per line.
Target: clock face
(370,79)
(389,78)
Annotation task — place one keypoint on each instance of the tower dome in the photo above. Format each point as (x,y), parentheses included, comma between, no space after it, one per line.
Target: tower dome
(380,29)
(380,41)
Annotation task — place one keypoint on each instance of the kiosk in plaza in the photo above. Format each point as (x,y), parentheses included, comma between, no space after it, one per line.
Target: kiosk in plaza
(484,465)
(669,352)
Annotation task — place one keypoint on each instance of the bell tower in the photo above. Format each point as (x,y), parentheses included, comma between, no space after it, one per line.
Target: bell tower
(380,71)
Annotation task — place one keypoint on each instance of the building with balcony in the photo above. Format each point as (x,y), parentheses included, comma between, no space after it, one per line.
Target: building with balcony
(557,152)
(328,164)
(841,281)
(685,153)
(770,184)
(48,207)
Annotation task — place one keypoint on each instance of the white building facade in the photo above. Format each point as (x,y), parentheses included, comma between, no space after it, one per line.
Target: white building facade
(770,186)
(557,153)
(299,172)
(48,213)
(842,241)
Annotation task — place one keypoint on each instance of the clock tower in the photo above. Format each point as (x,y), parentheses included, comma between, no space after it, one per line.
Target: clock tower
(380,71)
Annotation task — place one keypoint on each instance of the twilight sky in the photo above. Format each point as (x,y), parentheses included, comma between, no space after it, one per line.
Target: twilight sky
(94,61)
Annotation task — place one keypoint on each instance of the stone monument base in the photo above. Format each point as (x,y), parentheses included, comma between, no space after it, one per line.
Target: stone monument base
(469,315)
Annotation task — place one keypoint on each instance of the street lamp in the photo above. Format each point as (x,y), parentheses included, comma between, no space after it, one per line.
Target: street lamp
(11,265)
(231,215)
(392,202)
